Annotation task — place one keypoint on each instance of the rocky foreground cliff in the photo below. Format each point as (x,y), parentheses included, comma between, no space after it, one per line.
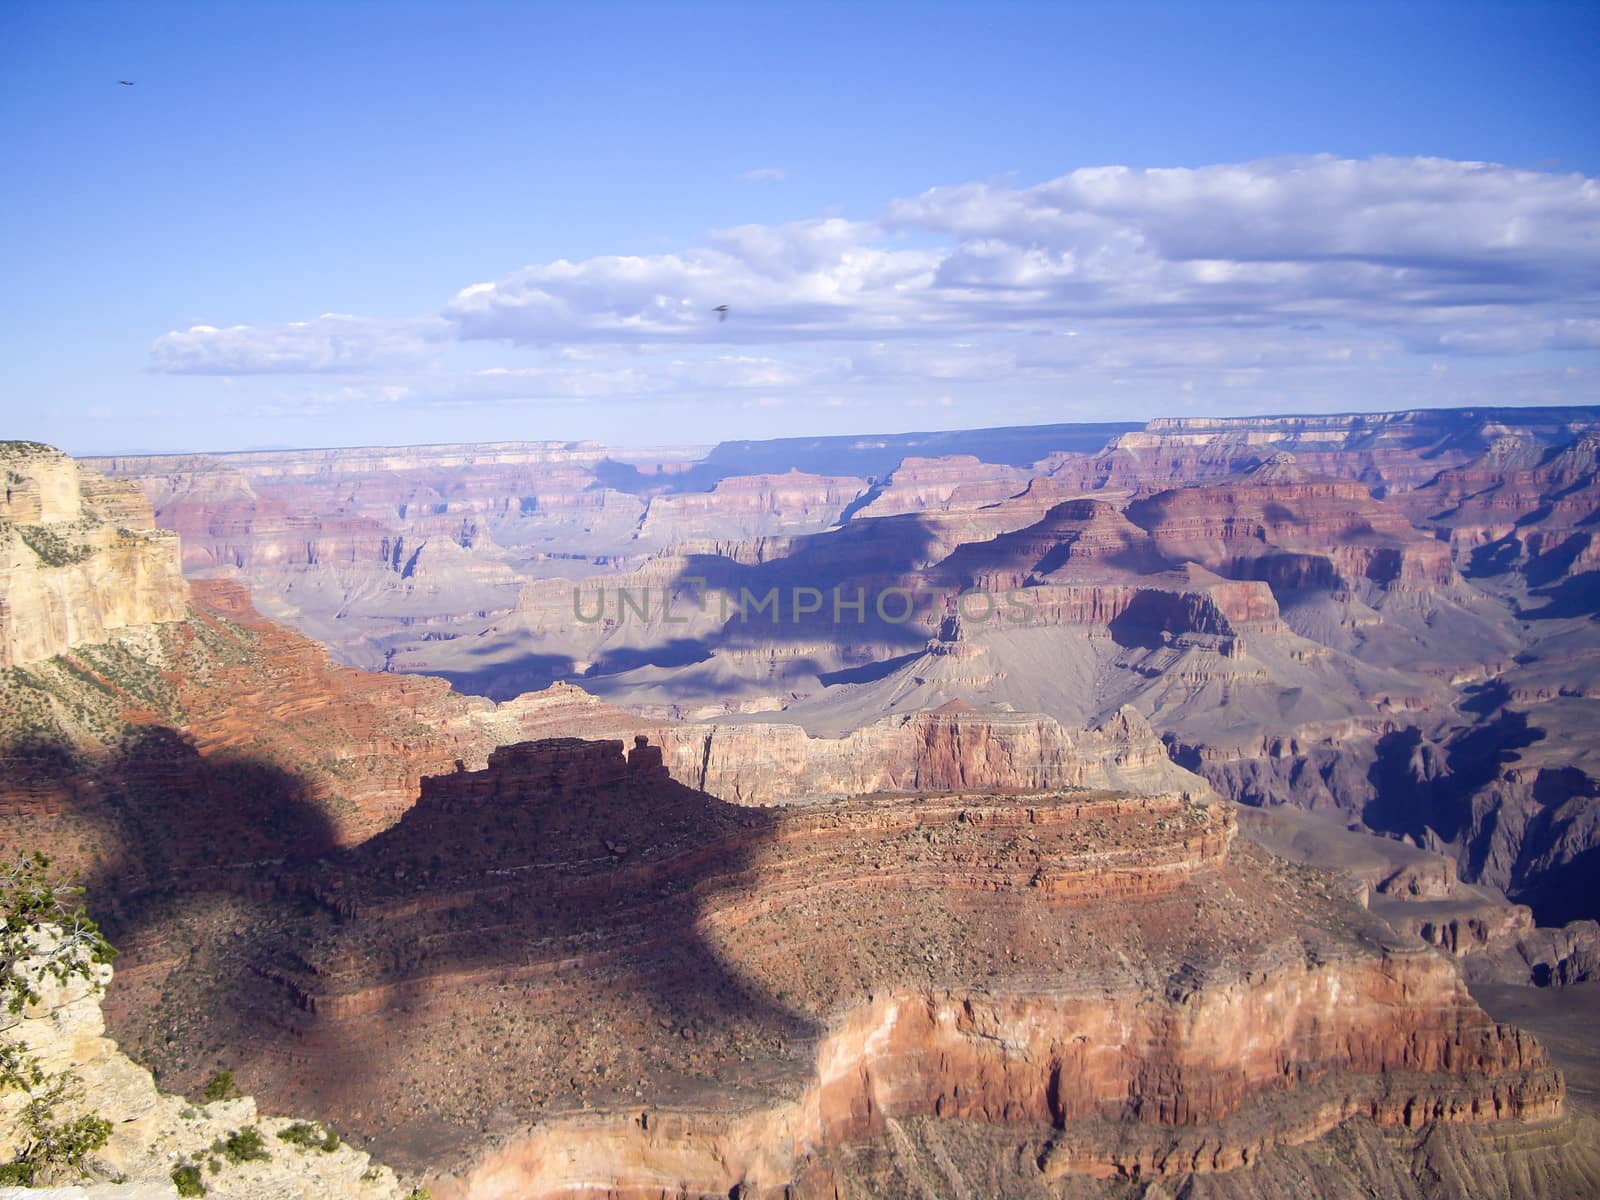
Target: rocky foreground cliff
(157,1139)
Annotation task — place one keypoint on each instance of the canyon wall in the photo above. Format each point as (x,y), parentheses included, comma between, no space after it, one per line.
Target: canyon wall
(953,748)
(79,557)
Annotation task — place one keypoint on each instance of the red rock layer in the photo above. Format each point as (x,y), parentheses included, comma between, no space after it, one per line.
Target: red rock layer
(1542,504)
(954,481)
(1282,526)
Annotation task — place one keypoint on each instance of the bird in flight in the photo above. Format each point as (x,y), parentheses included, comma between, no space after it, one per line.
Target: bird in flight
(125,82)
(722,312)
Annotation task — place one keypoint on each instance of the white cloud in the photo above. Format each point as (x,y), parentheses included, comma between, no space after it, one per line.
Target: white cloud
(333,343)
(765,175)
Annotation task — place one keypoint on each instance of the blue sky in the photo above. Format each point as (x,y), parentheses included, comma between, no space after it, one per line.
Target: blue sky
(520,216)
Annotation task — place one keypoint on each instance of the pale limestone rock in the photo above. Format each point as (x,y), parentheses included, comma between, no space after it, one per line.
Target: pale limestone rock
(152,1132)
(80,557)
(149,1190)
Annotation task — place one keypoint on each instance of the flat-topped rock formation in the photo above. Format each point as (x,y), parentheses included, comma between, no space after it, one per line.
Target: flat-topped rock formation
(309,463)
(1393,450)
(953,481)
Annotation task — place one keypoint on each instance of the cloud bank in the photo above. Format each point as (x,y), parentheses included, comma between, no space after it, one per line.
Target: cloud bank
(1314,264)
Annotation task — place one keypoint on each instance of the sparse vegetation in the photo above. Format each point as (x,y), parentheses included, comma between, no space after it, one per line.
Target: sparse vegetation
(220,1087)
(42,920)
(187,1179)
(51,1144)
(41,924)
(243,1145)
(22,448)
(308,1136)
(53,549)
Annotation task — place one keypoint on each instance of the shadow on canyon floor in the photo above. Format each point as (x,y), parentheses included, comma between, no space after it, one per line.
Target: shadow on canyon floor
(551,910)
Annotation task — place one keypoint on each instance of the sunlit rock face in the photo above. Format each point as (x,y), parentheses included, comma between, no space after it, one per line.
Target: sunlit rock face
(948,749)
(62,1030)
(79,557)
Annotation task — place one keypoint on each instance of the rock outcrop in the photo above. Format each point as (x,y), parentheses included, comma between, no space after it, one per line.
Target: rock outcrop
(1520,506)
(955,481)
(566,969)
(80,557)
(153,1133)
(1281,525)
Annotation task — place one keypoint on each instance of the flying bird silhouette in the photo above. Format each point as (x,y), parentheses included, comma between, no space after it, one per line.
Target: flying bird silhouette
(125,82)
(722,312)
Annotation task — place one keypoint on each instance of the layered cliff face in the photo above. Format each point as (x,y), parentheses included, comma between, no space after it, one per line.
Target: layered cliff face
(205,744)
(561,968)
(1393,451)
(1293,604)
(567,975)
(1520,507)
(954,481)
(749,506)
(952,748)
(369,548)
(186,753)
(79,557)
(1280,524)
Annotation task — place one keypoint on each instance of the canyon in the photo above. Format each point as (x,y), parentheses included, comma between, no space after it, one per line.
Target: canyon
(1056,877)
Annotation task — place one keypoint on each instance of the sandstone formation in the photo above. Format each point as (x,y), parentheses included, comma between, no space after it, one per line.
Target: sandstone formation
(1520,504)
(955,481)
(1393,451)
(79,557)
(749,506)
(1332,611)
(952,748)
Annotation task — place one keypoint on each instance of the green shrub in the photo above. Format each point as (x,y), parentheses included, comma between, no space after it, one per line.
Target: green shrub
(186,1178)
(307,1135)
(220,1087)
(244,1145)
(31,898)
(53,549)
